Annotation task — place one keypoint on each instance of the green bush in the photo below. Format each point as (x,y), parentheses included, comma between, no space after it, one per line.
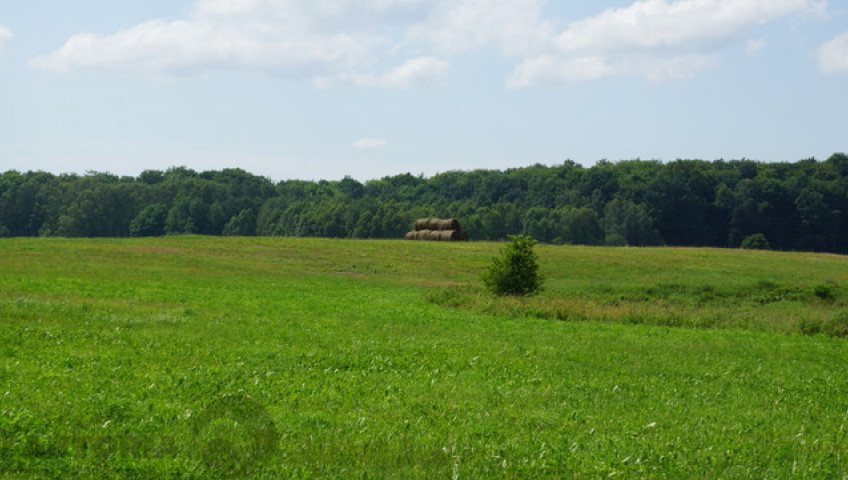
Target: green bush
(516,271)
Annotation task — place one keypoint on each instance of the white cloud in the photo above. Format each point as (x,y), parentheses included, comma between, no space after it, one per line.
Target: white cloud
(415,73)
(293,38)
(370,144)
(833,55)
(327,40)
(5,36)
(412,43)
(654,39)
(755,46)
(688,24)
(550,70)
(418,72)
(159,47)
(515,26)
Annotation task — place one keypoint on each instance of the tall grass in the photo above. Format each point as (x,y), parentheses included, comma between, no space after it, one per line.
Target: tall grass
(196,357)
(779,292)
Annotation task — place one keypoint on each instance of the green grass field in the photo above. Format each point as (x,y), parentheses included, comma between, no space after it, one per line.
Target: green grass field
(194,357)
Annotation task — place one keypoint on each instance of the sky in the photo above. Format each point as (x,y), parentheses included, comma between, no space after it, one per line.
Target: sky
(323,89)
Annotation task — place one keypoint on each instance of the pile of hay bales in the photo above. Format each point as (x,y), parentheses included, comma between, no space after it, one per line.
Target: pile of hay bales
(437,229)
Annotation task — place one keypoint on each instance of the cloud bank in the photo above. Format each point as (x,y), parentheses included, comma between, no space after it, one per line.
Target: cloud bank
(653,39)
(412,43)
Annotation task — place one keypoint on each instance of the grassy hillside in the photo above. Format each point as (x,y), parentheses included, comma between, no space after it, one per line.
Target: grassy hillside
(194,357)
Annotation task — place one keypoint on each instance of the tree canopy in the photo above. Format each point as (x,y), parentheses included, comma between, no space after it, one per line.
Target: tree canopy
(801,205)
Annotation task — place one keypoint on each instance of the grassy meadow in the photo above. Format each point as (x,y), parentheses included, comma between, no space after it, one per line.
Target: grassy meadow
(198,357)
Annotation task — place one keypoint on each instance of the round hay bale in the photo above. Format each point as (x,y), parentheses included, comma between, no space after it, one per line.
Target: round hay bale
(422,224)
(448,224)
(433,235)
(448,235)
(409,235)
(422,235)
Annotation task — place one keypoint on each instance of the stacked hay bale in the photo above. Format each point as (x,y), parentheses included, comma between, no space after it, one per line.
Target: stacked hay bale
(437,229)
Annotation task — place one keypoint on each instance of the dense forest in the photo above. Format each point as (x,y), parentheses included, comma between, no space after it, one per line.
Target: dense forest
(792,206)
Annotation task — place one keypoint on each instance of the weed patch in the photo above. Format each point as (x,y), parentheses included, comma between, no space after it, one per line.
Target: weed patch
(762,305)
(835,326)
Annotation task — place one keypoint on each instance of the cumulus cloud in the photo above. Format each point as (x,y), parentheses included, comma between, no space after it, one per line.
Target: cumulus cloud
(655,39)
(203,44)
(412,43)
(513,26)
(327,40)
(415,73)
(370,144)
(293,38)
(418,72)
(833,55)
(5,36)
(550,70)
(685,24)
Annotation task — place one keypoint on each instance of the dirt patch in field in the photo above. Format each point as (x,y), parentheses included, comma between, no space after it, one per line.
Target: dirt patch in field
(444,284)
(153,249)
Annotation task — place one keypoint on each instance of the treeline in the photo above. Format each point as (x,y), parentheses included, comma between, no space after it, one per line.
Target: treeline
(795,206)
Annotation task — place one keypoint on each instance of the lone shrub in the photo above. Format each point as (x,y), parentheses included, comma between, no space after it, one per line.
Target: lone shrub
(516,271)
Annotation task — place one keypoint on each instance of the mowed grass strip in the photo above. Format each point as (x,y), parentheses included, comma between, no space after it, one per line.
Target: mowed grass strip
(193,357)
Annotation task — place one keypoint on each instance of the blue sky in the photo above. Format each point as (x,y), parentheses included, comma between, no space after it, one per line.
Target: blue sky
(320,89)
